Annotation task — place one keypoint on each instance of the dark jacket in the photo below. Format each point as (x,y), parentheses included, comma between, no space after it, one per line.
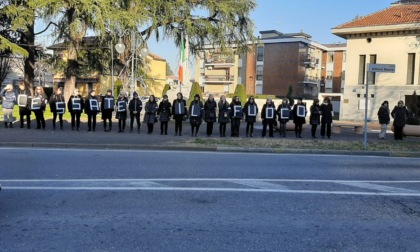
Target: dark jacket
(250,118)
(284,106)
(383,115)
(224,112)
(400,115)
(122,114)
(135,106)
(150,116)
(196,118)
(264,113)
(297,119)
(70,104)
(210,111)
(314,118)
(175,104)
(103,103)
(53,100)
(88,108)
(326,112)
(164,111)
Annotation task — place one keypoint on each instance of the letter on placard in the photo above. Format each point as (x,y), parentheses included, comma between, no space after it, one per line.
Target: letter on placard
(252,110)
(22,100)
(284,113)
(269,113)
(121,106)
(109,103)
(36,104)
(76,104)
(94,106)
(237,111)
(195,111)
(300,111)
(60,107)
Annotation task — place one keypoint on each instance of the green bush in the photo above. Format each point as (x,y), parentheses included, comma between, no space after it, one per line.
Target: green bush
(262,96)
(165,89)
(118,86)
(195,89)
(241,93)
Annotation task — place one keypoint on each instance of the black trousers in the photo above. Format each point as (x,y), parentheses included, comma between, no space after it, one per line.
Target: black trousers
(75,119)
(24,111)
(121,125)
(328,126)
(60,118)
(398,133)
(209,128)
(196,127)
(92,121)
(283,129)
(222,129)
(298,129)
(150,128)
(270,128)
(164,128)
(178,124)
(313,129)
(235,125)
(40,120)
(137,118)
(249,128)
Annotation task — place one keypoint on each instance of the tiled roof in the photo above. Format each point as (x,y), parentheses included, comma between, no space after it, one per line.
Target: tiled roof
(394,15)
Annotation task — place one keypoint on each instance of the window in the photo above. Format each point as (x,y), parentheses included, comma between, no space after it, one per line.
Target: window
(330,57)
(362,69)
(372,75)
(260,54)
(411,68)
(259,72)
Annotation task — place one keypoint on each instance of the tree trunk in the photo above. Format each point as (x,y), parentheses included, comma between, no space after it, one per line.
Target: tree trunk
(28,41)
(71,71)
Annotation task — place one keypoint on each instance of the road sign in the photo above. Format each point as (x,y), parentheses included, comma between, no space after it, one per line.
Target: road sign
(382,68)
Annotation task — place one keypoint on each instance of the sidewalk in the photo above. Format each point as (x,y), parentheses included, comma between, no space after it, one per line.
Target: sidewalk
(66,138)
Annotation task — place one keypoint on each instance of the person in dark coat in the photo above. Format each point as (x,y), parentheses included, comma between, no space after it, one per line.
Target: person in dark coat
(283,120)
(107,107)
(210,114)
(326,110)
(223,116)
(268,116)
(8,97)
(121,114)
(299,117)
(400,114)
(179,111)
(91,109)
(236,114)
(196,114)
(150,108)
(251,112)
(57,97)
(39,113)
(164,112)
(314,118)
(24,107)
(384,118)
(135,106)
(75,106)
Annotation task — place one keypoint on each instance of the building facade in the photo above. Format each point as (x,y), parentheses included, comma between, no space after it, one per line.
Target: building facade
(389,36)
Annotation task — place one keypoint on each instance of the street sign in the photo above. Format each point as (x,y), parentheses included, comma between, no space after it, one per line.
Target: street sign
(382,68)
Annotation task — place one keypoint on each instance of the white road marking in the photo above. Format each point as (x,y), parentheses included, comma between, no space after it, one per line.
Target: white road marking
(371,186)
(259,184)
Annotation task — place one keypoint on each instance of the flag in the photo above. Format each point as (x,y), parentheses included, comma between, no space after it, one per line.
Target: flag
(181,62)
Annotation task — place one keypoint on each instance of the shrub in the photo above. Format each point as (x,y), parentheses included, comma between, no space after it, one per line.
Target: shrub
(241,93)
(414,108)
(195,89)
(165,89)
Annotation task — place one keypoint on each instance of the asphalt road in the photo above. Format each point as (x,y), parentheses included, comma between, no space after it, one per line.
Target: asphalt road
(79,200)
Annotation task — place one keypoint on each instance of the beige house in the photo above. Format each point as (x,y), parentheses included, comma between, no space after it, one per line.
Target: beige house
(389,36)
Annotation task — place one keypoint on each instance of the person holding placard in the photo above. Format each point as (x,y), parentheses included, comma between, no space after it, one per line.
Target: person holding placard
(38,105)
(284,112)
(9,100)
(92,109)
(24,103)
(135,106)
(196,114)
(179,111)
(223,117)
(75,106)
(314,117)
(251,112)
(164,112)
(107,107)
(210,114)
(299,115)
(326,116)
(268,116)
(150,116)
(57,107)
(236,114)
(121,115)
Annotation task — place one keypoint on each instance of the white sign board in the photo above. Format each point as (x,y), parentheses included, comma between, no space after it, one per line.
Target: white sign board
(382,68)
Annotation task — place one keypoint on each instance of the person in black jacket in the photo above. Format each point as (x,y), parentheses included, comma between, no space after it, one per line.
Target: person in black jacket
(150,108)
(223,117)
(400,114)
(384,119)
(236,115)
(57,100)
(75,106)
(196,114)
(164,112)
(268,116)
(179,111)
(210,114)
(39,111)
(92,109)
(284,112)
(121,111)
(107,107)
(314,118)
(251,111)
(299,115)
(135,106)
(24,105)
(326,111)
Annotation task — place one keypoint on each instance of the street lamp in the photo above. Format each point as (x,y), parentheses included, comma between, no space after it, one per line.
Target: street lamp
(120,48)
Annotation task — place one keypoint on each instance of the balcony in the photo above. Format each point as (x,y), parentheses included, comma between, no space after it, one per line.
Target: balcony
(310,62)
(221,61)
(311,80)
(219,79)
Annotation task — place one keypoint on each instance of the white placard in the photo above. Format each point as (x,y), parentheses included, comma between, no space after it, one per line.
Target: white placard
(22,100)
(195,110)
(121,106)
(36,104)
(284,113)
(300,111)
(237,111)
(269,113)
(94,105)
(76,104)
(60,107)
(180,109)
(252,110)
(108,103)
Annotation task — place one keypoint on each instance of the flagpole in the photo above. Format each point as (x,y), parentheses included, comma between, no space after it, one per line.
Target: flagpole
(182,61)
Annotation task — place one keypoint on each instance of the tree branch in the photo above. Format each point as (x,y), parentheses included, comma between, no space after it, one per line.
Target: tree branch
(46,28)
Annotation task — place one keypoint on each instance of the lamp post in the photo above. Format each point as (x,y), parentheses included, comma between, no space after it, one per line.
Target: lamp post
(120,47)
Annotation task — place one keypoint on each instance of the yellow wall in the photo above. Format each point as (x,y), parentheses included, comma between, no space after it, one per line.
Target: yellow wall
(156,76)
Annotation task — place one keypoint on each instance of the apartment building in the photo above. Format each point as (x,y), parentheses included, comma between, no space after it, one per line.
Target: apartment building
(333,68)
(389,36)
